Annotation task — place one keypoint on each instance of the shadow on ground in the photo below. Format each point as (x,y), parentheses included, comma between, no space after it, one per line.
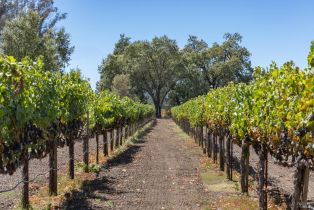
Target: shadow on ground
(101,188)
(127,156)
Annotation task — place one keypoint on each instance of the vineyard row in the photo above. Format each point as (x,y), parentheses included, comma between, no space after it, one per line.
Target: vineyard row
(274,114)
(41,111)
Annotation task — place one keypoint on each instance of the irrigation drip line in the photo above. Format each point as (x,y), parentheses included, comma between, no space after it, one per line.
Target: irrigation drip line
(30,181)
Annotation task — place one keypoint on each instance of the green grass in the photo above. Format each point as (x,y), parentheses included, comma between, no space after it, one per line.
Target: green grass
(216,181)
(225,193)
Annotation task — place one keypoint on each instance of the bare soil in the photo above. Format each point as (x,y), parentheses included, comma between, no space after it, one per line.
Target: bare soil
(156,172)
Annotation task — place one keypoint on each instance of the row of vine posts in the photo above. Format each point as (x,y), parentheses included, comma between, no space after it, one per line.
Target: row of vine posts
(112,139)
(220,145)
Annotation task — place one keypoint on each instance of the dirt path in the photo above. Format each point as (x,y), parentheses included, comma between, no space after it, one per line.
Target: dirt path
(157,172)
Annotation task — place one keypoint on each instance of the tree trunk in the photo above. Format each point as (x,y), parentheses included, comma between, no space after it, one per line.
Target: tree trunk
(25,175)
(157,109)
(71,158)
(53,172)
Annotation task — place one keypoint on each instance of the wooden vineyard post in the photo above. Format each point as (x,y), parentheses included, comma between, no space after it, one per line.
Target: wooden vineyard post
(227,151)
(194,136)
(231,158)
(215,147)
(261,178)
(197,135)
(306,178)
(221,152)
(190,130)
(53,172)
(213,136)
(125,133)
(228,156)
(86,146)
(97,148)
(106,143)
(71,158)
(25,175)
(129,130)
(204,142)
(117,138)
(133,129)
(247,168)
(121,136)
(111,140)
(244,166)
(209,151)
(201,137)
(301,181)
(85,154)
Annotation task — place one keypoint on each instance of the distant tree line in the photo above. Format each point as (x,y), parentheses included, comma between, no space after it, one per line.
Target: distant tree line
(159,71)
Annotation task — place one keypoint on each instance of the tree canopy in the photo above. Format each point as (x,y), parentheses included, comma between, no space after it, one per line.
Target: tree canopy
(162,72)
(28,29)
(154,68)
(211,67)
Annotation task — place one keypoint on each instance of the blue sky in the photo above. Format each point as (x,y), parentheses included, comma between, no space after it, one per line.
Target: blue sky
(278,30)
